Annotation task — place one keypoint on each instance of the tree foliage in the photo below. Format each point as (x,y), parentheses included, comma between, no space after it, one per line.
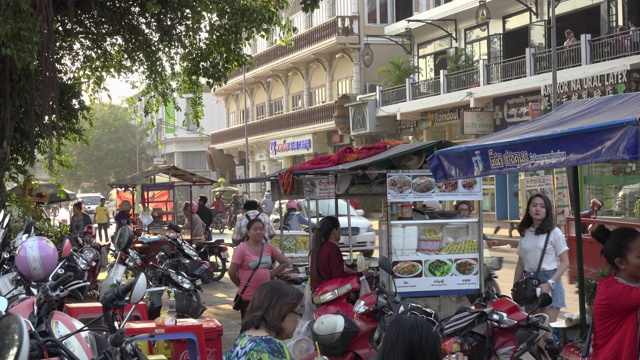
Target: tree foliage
(52,52)
(398,71)
(110,153)
(457,60)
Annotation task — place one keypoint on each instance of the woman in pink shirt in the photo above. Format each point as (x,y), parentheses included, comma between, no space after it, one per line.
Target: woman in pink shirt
(245,260)
(615,308)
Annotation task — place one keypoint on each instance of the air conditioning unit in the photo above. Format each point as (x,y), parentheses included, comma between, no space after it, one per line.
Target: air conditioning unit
(371,87)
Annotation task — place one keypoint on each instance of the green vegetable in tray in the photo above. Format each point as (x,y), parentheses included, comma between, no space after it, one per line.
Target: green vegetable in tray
(440,268)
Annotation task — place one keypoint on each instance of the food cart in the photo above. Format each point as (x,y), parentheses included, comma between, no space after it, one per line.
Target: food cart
(151,192)
(432,256)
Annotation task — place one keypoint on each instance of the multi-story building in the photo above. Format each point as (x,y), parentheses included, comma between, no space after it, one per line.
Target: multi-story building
(507,45)
(293,97)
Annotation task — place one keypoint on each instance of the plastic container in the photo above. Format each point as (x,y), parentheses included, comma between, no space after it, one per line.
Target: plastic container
(213,341)
(406,212)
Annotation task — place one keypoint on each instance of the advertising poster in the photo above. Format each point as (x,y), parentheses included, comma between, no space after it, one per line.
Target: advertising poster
(324,188)
(406,187)
(563,206)
(539,185)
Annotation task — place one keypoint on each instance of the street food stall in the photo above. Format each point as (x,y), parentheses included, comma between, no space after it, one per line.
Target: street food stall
(152,194)
(577,133)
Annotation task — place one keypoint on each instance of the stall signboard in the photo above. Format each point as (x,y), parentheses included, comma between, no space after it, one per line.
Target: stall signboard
(408,187)
(441,274)
(324,188)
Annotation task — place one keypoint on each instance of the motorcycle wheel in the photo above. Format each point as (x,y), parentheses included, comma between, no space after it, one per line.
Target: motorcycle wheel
(195,297)
(218,264)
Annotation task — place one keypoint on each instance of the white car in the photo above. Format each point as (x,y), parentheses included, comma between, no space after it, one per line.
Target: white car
(363,237)
(91,201)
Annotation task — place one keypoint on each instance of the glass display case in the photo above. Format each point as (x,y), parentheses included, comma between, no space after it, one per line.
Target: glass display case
(436,257)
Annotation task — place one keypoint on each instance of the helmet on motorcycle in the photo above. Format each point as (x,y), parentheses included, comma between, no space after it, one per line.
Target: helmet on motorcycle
(333,333)
(292,204)
(596,204)
(36,258)
(191,206)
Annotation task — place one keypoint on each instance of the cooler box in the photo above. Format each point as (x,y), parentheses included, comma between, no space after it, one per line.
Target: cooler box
(213,341)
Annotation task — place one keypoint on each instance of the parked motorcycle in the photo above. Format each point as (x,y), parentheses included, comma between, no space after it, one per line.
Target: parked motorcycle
(186,259)
(358,333)
(217,254)
(500,330)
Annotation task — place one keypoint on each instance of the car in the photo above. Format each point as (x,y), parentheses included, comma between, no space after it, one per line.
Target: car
(362,234)
(91,201)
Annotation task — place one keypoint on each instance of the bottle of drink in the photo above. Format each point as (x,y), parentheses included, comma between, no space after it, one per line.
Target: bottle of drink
(361,262)
(165,302)
(173,313)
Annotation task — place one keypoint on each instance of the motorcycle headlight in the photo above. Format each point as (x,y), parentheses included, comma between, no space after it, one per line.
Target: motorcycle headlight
(129,262)
(183,281)
(80,260)
(190,251)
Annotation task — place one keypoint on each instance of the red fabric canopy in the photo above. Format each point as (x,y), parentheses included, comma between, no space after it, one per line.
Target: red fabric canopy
(345,155)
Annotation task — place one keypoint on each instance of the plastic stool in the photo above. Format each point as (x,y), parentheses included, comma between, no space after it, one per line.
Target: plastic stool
(93,310)
(184,329)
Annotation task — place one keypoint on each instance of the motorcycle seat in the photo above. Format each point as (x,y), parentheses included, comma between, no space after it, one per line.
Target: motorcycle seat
(214,242)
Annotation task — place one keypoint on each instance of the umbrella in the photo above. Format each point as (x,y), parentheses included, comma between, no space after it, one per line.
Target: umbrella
(578,132)
(45,192)
(226,188)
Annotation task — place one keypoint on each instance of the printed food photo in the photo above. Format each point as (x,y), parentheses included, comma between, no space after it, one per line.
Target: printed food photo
(469,184)
(438,267)
(423,184)
(407,268)
(465,267)
(447,186)
(399,184)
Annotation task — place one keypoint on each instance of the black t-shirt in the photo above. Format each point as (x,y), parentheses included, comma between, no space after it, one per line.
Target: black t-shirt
(206,215)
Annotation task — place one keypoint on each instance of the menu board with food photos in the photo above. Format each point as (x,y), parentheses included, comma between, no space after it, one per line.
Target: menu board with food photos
(406,187)
(436,257)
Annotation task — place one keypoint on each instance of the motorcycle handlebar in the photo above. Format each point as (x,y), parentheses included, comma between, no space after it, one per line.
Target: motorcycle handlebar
(61,281)
(175,227)
(119,292)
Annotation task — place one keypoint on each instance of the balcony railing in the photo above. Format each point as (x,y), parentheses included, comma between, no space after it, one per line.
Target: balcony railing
(532,63)
(315,115)
(464,79)
(614,46)
(510,69)
(426,88)
(394,95)
(339,25)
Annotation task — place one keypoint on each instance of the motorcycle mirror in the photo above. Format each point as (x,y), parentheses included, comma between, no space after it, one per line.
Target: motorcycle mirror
(122,237)
(14,328)
(385,264)
(4,304)
(544,300)
(139,289)
(166,250)
(28,227)
(66,248)
(495,231)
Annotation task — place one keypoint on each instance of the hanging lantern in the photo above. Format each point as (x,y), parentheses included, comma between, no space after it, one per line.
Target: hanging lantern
(367,55)
(483,15)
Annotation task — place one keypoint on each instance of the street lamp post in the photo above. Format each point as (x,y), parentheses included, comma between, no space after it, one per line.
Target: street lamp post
(246,128)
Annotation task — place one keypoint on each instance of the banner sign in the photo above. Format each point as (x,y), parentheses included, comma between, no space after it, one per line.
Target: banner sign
(319,188)
(407,187)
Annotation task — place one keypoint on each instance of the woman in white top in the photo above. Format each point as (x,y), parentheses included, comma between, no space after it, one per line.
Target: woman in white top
(533,228)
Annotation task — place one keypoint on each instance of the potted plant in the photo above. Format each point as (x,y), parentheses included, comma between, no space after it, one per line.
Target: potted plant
(345,30)
(457,59)
(398,71)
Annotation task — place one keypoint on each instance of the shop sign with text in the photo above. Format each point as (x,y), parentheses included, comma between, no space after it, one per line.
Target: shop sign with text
(477,123)
(291,146)
(587,87)
(517,109)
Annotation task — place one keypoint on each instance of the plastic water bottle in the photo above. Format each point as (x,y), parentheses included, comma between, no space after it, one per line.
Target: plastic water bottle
(362,265)
(165,302)
(172,305)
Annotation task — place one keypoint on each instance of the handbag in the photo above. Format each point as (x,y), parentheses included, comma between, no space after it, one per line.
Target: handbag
(237,300)
(524,289)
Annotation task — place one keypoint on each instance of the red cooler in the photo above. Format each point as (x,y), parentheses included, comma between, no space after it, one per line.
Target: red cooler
(213,340)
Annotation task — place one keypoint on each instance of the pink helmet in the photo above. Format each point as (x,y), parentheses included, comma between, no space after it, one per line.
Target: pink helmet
(292,204)
(194,207)
(36,258)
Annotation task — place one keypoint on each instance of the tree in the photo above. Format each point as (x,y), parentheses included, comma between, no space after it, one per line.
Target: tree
(398,71)
(51,51)
(110,153)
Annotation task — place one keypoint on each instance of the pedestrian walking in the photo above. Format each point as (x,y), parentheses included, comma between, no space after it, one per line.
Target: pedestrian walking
(79,220)
(251,212)
(267,203)
(206,215)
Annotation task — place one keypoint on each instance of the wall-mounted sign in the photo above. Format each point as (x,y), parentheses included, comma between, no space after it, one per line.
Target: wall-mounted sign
(319,188)
(517,109)
(362,117)
(406,125)
(291,146)
(587,87)
(442,118)
(477,123)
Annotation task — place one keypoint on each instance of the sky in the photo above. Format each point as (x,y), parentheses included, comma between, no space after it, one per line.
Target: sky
(120,90)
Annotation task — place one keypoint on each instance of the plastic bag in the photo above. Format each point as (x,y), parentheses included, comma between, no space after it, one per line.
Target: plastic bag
(364,286)
(301,344)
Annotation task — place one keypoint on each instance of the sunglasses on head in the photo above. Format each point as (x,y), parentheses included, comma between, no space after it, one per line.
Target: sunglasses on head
(429,316)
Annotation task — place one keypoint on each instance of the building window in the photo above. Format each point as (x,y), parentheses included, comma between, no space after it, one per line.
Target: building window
(296,101)
(428,55)
(195,160)
(260,111)
(317,96)
(476,42)
(241,114)
(345,86)
(276,106)
(377,12)
(231,119)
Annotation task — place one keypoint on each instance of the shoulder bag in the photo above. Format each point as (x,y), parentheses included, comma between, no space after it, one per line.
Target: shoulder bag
(524,289)
(237,301)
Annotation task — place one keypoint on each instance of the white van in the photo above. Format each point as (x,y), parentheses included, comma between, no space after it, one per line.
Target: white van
(91,200)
